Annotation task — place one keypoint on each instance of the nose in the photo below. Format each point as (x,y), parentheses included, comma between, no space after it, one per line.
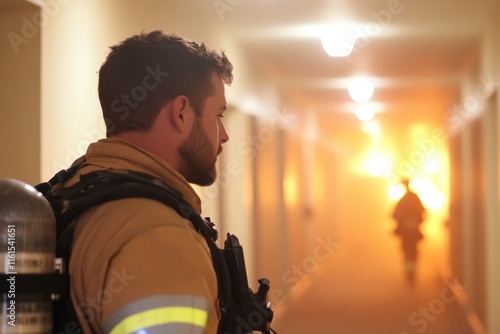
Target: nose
(223,136)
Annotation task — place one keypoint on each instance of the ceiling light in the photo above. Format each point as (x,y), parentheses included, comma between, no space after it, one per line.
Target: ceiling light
(361,90)
(338,40)
(372,128)
(365,112)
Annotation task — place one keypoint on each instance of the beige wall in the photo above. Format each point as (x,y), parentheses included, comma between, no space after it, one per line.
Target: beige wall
(491,123)
(19,94)
(475,215)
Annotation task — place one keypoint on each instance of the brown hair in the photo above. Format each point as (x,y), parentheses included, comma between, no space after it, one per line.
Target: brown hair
(145,71)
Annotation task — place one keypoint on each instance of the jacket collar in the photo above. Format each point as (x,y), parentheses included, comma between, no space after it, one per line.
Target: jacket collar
(120,154)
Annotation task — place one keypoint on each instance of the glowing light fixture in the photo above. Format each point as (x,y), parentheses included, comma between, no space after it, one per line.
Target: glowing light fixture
(338,40)
(361,90)
(365,112)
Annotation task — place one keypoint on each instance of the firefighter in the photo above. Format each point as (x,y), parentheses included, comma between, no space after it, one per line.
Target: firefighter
(409,215)
(137,266)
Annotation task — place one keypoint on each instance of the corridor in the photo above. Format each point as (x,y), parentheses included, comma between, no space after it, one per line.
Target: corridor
(361,289)
(333,103)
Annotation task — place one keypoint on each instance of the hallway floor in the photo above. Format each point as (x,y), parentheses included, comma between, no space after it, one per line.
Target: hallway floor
(361,289)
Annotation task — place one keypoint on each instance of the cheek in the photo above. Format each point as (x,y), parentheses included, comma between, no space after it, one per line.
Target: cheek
(217,128)
(220,128)
(212,132)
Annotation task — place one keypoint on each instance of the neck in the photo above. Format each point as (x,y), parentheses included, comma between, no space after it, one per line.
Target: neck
(156,144)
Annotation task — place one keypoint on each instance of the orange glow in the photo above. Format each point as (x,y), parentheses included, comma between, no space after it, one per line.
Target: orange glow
(372,128)
(376,162)
(396,191)
(431,166)
(431,197)
(378,166)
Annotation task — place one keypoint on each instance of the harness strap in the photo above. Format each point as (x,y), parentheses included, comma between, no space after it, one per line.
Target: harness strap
(46,284)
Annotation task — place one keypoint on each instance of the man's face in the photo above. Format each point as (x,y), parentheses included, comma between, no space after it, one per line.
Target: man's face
(200,150)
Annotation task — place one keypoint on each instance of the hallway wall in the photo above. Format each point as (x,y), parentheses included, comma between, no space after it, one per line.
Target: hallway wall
(492,152)
(475,168)
(20,93)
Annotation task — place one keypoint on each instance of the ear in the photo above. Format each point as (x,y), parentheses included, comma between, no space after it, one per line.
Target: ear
(181,113)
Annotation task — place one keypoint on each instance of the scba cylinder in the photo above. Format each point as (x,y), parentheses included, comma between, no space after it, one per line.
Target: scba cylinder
(27,246)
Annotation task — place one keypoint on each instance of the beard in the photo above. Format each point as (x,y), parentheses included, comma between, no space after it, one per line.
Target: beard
(198,157)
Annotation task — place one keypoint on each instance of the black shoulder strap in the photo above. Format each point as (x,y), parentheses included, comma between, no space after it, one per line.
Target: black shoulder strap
(111,184)
(107,185)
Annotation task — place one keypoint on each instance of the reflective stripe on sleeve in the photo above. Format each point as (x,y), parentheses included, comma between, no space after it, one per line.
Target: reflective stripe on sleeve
(160,314)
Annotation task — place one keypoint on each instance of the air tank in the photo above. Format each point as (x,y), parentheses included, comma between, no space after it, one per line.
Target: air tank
(27,246)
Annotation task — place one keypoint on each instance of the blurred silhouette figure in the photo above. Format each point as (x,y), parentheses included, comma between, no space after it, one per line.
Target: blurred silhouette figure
(409,215)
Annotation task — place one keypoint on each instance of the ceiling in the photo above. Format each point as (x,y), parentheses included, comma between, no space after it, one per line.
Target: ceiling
(414,51)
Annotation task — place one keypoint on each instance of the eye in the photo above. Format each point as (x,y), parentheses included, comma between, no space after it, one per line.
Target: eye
(220,115)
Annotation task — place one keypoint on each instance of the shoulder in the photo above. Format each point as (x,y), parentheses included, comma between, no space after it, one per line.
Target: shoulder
(121,220)
(104,231)
(141,247)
